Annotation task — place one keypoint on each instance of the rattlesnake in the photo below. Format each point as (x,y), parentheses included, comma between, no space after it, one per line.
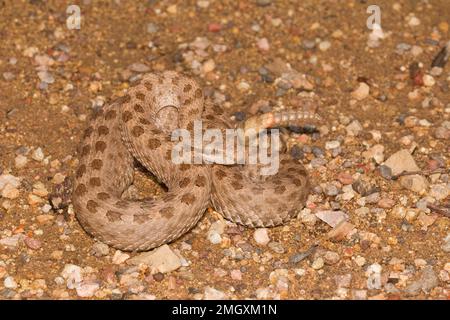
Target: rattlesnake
(137,126)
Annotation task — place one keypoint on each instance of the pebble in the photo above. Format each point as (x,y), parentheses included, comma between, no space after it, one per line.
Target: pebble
(120,257)
(236,274)
(152,28)
(20,161)
(401,161)
(161,259)
(203,4)
(37,154)
(72,274)
(413,21)
(427,281)
(360,261)
(46,77)
(208,66)
(361,92)
(373,274)
(439,191)
(318,264)
(332,218)
(341,231)
(446,245)
(87,289)
(12,241)
(276,247)
(10,283)
(331,190)
(8,76)
(32,243)
(261,236)
(324,45)
(100,249)
(415,183)
(376,152)
(345,178)
(354,128)
(428,80)
(331,257)
(263,44)
(214,294)
(332,144)
(263,3)
(138,67)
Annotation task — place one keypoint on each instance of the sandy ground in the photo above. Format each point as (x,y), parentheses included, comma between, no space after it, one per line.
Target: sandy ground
(377,94)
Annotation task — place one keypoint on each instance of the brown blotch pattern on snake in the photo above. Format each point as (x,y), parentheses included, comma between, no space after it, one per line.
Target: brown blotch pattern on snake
(92,206)
(100,146)
(97,164)
(188,198)
(137,131)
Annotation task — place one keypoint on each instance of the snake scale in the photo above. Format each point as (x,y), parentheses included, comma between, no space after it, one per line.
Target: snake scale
(138,127)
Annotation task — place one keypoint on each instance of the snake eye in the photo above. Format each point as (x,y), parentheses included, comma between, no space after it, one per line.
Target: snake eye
(167,118)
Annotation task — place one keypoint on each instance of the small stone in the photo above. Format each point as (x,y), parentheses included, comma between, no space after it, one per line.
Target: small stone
(208,66)
(236,274)
(261,236)
(214,237)
(243,86)
(354,128)
(439,191)
(376,152)
(139,67)
(12,241)
(361,92)
(263,3)
(345,178)
(415,183)
(120,257)
(46,77)
(32,243)
(214,294)
(263,44)
(87,289)
(426,220)
(427,281)
(332,144)
(413,21)
(161,259)
(20,161)
(360,261)
(10,192)
(100,249)
(401,161)
(37,155)
(340,231)
(152,28)
(386,203)
(331,257)
(428,80)
(172,9)
(318,264)
(332,218)
(276,247)
(10,283)
(324,45)
(72,274)
(203,4)
(373,274)
(446,245)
